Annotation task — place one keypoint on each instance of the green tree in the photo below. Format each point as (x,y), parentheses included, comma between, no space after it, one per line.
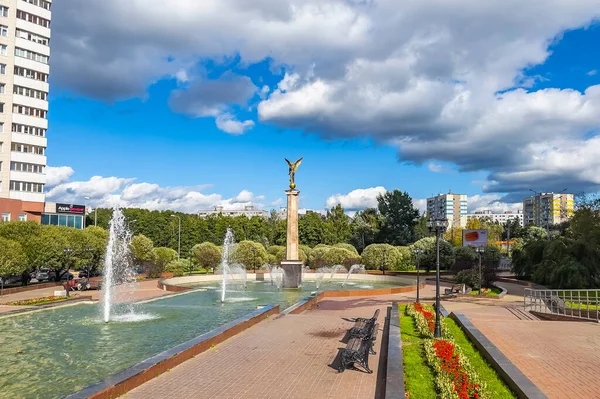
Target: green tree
(349,247)
(178,267)
(307,250)
(337,226)
(534,233)
(399,217)
(340,256)
(278,251)
(207,255)
(381,257)
(142,249)
(365,227)
(251,254)
(12,258)
(162,256)
(405,260)
(311,229)
(429,257)
(317,256)
(421,229)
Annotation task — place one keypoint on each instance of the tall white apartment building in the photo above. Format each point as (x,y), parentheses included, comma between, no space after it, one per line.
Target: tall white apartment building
(450,206)
(24,71)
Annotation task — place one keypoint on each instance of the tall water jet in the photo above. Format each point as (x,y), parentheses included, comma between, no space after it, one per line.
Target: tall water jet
(353,268)
(320,274)
(228,244)
(278,275)
(335,269)
(117,269)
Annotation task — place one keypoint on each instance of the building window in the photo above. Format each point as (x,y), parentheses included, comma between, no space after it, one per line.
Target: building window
(2,88)
(29,111)
(25,91)
(3,49)
(2,69)
(3,11)
(30,74)
(23,34)
(30,55)
(6,217)
(27,149)
(1,127)
(1,107)
(26,167)
(40,3)
(3,30)
(26,186)
(34,131)
(22,217)
(34,19)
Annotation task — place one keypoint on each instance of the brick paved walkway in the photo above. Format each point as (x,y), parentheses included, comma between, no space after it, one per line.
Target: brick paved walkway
(142,290)
(285,357)
(562,358)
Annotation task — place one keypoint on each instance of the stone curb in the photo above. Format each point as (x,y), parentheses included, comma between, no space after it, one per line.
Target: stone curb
(510,374)
(394,380)
(134,376)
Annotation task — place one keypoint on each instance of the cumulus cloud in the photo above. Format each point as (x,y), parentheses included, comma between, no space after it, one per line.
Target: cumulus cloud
(56,175)
(228,124)
(356,199)
(593,72)
(443,81)
(212,97)
(111,191)
(491,202)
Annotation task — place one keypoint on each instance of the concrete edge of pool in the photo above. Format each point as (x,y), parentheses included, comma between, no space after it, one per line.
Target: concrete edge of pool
(134,376)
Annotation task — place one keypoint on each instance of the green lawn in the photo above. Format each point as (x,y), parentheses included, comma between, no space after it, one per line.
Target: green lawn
(577,305)
(495,291)
(418,376)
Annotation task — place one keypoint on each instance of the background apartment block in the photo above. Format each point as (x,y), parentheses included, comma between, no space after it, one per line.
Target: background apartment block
(24,71)
(500,218)
(450,206)
(547,209)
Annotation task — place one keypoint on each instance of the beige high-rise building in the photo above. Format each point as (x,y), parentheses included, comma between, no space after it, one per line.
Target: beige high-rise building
(547,209)
(449,206)
(24,71)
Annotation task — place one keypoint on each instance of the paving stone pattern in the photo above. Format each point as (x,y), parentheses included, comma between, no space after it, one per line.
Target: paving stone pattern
(285,357)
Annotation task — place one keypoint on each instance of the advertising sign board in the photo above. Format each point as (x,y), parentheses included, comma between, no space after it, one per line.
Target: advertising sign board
(475,238)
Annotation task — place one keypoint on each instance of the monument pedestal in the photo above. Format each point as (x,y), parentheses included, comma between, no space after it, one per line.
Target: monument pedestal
(292,277)
(291,265)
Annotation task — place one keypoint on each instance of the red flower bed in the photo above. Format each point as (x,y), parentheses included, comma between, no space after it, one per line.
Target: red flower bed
(429,316)
(450,364)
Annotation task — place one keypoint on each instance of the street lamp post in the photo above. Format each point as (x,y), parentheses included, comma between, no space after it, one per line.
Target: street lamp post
(418,252)
(480,251)
(179,239)
(85,212)
(439,226)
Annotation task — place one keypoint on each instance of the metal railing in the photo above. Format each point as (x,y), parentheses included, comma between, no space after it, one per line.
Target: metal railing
(580,304)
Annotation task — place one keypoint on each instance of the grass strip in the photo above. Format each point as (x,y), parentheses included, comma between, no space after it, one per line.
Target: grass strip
(418,376)
(495,387)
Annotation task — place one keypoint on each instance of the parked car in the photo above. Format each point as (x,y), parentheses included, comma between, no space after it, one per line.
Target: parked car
(94,273)
(42,274)
(66,275)
(13,279)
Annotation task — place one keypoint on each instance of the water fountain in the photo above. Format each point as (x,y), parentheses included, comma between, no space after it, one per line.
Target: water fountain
(277,276)
(320,272)
(353,268)
(228,244)
(117,268)
(335,269)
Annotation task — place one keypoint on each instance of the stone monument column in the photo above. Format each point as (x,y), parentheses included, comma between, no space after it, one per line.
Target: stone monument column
(292,265)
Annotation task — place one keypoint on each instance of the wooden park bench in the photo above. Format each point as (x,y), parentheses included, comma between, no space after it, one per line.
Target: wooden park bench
(456,289)
(362,338)
(362,326)
(358,349)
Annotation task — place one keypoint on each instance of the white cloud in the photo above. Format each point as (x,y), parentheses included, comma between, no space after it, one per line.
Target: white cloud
(491,202)
(356,199)
(437,168)
(227,123)
(111,191)
(421,75)
(277,202)
(57,175)
(592,72)
(420,204)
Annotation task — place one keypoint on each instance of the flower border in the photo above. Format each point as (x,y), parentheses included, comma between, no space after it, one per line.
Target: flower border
(455,377)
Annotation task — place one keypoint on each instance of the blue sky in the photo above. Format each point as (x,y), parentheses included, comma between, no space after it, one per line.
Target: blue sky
(362,117)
